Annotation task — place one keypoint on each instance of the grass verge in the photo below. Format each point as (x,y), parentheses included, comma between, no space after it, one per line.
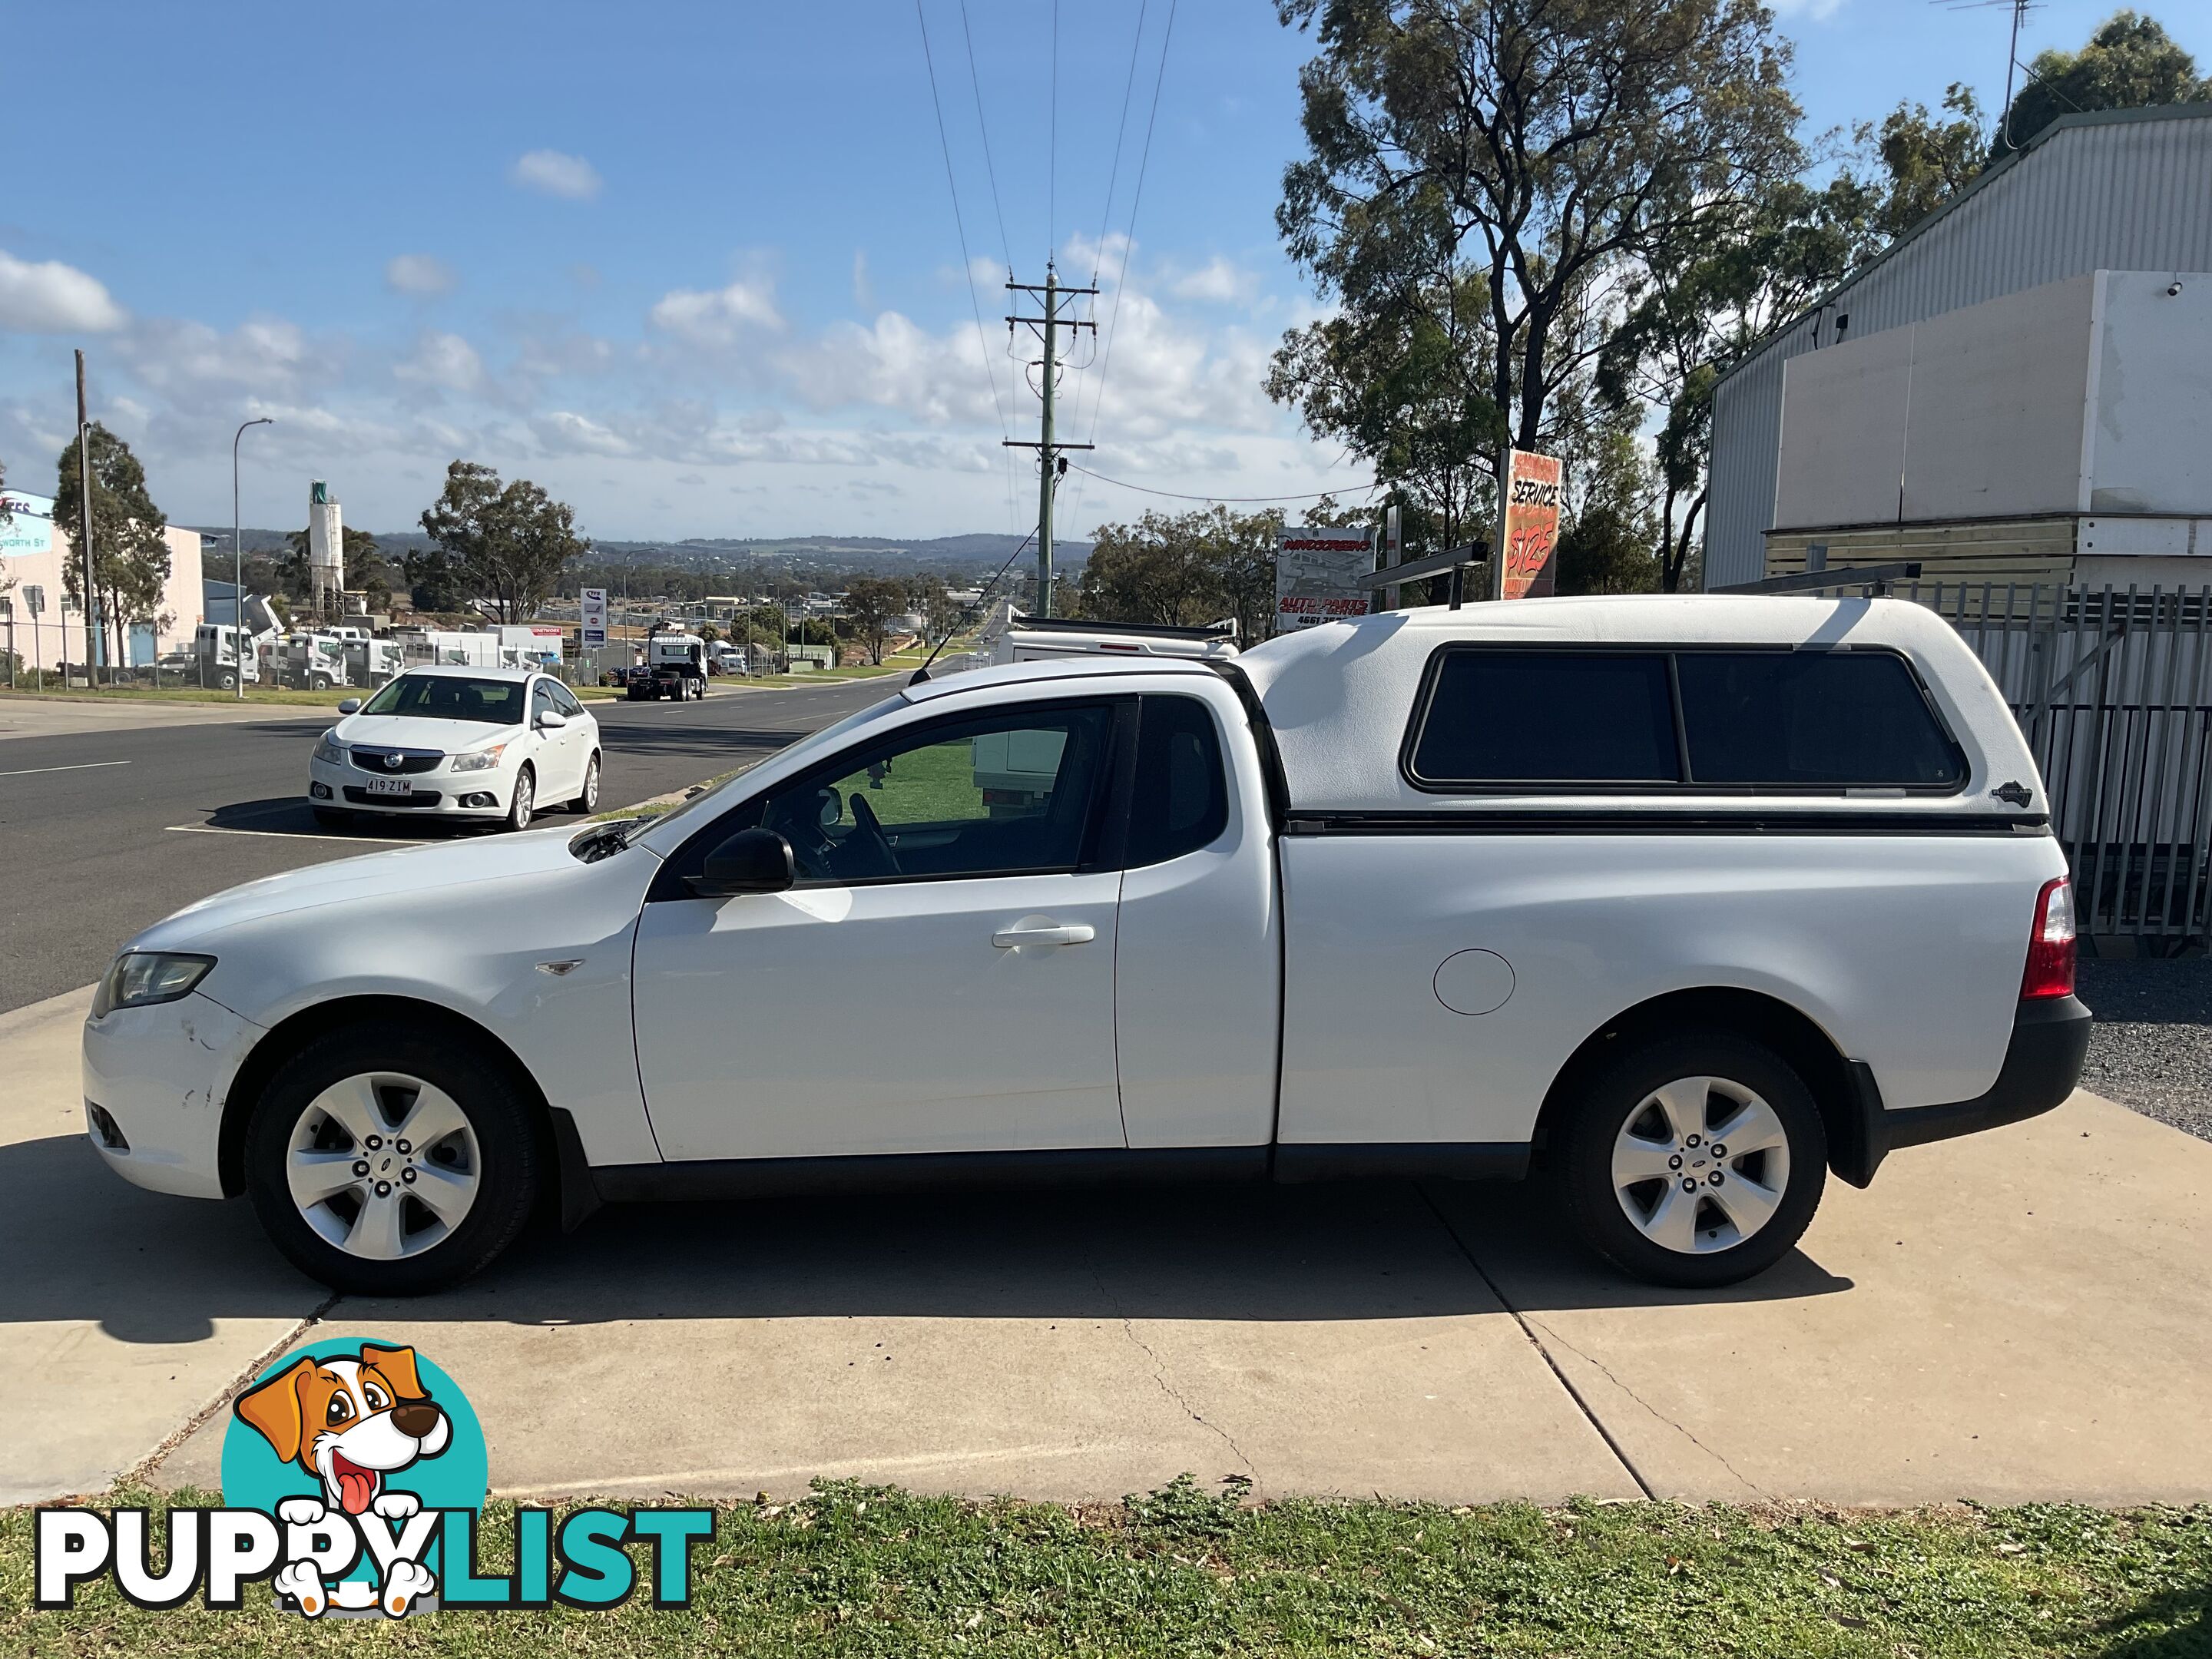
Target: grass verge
(1191,1570)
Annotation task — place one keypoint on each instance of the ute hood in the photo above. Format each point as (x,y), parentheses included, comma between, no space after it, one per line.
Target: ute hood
(365,883)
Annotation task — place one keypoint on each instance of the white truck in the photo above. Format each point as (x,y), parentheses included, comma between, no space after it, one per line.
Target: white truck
(225,655)
(675,666)
(1683,902)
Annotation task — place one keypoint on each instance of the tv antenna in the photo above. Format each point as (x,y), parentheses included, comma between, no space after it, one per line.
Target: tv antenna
(2019,10)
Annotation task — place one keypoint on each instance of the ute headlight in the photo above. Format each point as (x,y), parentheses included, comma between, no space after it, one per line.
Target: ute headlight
(482,760)
(139,979)
(329,750)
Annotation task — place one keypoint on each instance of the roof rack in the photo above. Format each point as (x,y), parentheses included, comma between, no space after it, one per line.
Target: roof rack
(1220,630)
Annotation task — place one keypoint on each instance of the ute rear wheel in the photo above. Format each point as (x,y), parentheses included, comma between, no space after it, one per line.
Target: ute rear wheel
(1695,1160)
(386,1160)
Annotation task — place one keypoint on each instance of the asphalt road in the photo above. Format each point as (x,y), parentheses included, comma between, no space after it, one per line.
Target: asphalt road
(103,833)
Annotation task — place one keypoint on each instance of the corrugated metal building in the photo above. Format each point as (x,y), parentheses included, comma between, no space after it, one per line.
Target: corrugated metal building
(2123,190)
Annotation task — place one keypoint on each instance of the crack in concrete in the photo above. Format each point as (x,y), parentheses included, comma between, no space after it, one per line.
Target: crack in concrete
(1160,1377)
(1601,1369)
(144,1469)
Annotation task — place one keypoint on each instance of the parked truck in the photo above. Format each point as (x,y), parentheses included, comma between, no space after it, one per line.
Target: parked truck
(675,666)
(1684,903)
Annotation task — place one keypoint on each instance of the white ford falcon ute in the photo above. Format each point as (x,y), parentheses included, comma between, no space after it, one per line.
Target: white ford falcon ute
(1683,902)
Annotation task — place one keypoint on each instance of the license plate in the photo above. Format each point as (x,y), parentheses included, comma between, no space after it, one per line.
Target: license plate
(390,787)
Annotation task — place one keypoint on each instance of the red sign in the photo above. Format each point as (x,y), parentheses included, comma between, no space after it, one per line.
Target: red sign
(1531,531)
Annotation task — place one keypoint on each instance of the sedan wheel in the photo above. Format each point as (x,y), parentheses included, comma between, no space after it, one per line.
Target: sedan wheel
(1695,1160)
(520,810)
(588,802)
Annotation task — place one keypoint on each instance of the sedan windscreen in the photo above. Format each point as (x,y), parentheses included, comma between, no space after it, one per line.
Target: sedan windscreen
(450,697)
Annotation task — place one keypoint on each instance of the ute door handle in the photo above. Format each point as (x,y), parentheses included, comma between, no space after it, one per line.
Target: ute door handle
(1044,930)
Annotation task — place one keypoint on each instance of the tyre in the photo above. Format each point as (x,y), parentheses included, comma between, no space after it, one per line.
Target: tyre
(331,818)
(226,680)
(387,1160)
(1695,1160)
(588,802)
(524,805)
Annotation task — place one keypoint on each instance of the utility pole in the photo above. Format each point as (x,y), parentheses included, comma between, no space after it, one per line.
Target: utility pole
(1050,463)
(84,518)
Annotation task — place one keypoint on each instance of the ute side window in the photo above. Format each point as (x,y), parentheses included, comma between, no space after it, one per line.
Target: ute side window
(1812,719)
(1520,717)
(1180,802)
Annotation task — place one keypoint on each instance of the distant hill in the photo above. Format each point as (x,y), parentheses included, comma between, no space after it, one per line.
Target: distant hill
(983,550)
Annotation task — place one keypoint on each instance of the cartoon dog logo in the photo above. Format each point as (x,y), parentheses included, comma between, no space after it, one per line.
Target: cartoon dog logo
(349,1422)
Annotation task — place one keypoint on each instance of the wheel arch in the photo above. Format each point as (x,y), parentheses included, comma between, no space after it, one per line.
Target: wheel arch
(289,1035)
(1839,1086)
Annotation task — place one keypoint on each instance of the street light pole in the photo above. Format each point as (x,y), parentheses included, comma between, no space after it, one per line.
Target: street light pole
(237,564)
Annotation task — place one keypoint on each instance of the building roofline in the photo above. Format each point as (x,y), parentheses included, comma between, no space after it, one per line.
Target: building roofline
(2070,123)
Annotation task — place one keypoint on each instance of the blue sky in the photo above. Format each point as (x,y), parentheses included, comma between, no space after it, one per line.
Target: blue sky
(693,266)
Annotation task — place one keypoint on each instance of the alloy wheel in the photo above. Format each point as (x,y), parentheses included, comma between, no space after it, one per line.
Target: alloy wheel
(1700,1166)
(383,1166)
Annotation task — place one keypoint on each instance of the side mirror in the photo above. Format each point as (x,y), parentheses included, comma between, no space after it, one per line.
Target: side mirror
(551,719)
(751,861)
(349,706)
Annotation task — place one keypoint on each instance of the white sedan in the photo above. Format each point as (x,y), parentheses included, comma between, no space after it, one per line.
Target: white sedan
(482,744)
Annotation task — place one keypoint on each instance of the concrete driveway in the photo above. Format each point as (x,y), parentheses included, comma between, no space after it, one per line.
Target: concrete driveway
(2021,1314)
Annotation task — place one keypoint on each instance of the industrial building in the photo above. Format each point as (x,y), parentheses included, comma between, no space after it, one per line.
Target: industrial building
(37,620)
(2020,389)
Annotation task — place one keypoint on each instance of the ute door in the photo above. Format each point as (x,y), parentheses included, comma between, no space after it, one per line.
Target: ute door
(1197,961)
(940,978)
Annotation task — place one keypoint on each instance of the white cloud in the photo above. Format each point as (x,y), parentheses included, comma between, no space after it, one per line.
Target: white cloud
(445,361)
(418,273)
(717,316)
(564,432)
(552,174)
(1217,282)
(52,298)
(895,364)
(264,357)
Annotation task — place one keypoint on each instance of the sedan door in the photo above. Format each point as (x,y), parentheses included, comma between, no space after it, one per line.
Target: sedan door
(941,977)
(553,750)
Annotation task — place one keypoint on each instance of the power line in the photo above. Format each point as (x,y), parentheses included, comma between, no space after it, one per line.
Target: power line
(975,81)
(1129,237)
(960,228)
(1120,132)
(1228,501)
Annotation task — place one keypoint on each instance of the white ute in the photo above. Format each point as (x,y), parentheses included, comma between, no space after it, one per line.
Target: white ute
(1684,902)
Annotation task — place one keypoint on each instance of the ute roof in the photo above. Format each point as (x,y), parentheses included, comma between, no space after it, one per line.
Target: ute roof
(1341,697)
(1065,668)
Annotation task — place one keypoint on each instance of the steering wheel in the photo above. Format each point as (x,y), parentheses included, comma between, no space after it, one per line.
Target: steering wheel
(868,830)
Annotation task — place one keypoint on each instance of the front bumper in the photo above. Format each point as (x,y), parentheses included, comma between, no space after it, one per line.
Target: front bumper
(2042,1065)
(160,1076)
(439,794)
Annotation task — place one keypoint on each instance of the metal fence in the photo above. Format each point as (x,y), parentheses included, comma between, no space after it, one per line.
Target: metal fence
(2112,688)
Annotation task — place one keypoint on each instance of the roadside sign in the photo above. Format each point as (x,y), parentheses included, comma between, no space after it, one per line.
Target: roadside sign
(593,615)
(1321,574)
(1531,530)
(30,526)
(34,599)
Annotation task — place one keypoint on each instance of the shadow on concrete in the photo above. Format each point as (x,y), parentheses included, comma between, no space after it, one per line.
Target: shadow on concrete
(79,1242)
(152,1268)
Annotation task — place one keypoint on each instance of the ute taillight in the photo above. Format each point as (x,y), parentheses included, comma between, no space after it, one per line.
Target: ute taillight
(2050,946)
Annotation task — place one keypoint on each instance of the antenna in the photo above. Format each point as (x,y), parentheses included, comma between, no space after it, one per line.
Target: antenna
(922,672)
(2019,10)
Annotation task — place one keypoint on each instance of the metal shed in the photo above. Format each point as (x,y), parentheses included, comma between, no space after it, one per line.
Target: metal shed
(2120,190)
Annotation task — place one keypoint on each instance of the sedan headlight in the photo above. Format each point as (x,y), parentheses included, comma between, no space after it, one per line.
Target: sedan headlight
(139,979)
(329,750)
(481,760)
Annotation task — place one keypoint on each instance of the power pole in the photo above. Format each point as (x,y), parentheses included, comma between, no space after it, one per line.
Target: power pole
(84,518)
(1050,463)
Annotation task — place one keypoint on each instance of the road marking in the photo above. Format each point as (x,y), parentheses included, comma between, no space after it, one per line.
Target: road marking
(81,766)
(291,835)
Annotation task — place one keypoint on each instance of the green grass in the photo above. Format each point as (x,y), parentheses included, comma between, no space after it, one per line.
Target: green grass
(1189,1570)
